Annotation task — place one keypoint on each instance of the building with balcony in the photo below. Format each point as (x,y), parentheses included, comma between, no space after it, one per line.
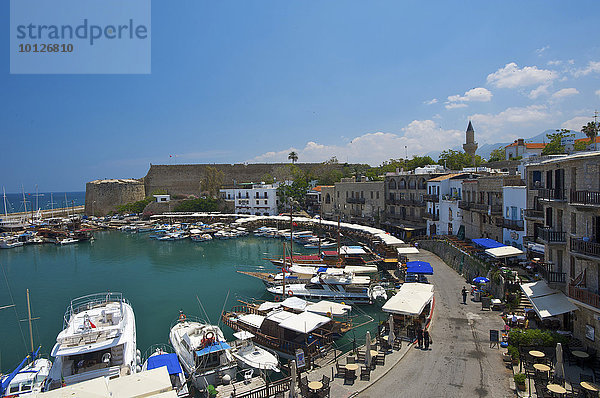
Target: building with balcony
(250,198)
(482,205)
(564,210)
(514,199)
(359,201)
(444,193)
(406,200)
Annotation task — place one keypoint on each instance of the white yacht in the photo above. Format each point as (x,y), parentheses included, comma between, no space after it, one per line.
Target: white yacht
(334,286)
(203,351)
(10,242)
(26,380)
(98,339)
(251,356)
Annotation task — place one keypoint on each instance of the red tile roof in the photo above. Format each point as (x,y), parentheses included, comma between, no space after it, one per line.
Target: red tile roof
(530,145)
(587,139)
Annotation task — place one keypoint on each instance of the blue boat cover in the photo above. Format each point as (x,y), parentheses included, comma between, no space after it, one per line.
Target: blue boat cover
(168,360)
(487,243)
(419,267)
(322,269)
(216,346)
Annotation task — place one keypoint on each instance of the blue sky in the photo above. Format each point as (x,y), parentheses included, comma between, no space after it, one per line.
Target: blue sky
(236,81)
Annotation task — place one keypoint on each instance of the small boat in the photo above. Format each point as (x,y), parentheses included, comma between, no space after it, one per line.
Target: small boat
(66,241)
(202,351)
(201,237)
(251,356)
(324,244)
(10,242)
(25,380)
(161,356)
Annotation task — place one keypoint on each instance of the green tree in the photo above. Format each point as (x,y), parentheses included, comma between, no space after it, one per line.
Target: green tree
(591,130)
(497,155)
(457,160)
(293,156)
(267,178)
(212,181)
(555,147)
(199,204)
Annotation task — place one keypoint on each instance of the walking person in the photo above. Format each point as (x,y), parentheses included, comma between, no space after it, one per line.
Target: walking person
(420,337)
(426,339)
(464,294)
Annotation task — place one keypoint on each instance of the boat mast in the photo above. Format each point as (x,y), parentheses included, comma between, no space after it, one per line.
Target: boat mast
(283,269)
(5,211)
(338,239)
(29,319)
(320,229)
(51,205)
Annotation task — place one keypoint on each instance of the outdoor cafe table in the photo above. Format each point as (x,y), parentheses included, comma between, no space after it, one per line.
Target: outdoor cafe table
(580,355)
(556,389)
(591,387)
(315,385)
(351,367)
(540,367)
(537,354)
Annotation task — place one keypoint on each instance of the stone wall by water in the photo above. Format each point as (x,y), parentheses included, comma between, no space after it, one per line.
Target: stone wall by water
(104,196)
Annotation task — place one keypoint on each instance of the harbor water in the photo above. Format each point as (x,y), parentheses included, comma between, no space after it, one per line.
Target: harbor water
(158,277)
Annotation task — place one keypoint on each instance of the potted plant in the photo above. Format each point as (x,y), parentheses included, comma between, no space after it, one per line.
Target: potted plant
(514,354)
(520,381)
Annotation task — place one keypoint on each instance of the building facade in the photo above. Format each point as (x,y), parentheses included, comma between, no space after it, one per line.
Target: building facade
(359,201)
(443,195)
(514,199)
(249,198)
(523,149)
(564,195)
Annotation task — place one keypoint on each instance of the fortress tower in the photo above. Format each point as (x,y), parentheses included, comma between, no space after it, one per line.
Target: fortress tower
(470,146)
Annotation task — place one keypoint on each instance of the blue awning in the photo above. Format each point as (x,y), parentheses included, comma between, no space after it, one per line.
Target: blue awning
(168,360)
(419,267)
(487,243)
(322,269)
(214,347)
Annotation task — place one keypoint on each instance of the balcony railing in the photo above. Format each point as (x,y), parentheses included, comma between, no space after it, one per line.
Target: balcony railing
(406,202)
(578,245)
(585,296)
(584,198)
(431,216)
(479,206)
(551,194)
(431,198)
(400,217)
(356,200)
(516,225)
(464,205)
(533,213)
(551,236)
(551,276)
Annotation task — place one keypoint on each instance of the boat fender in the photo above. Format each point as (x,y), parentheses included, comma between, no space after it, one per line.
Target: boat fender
(138,353)
(138,360)
(138,369)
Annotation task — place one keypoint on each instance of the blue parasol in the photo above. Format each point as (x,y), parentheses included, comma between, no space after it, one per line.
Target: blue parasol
(481,279)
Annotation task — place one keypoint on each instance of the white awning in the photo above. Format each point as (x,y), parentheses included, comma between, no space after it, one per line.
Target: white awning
(253,320)
(547,302)
(279,316)
(504,251)
(304,322)
(295,303)
(243,335)
(348,250)
(411,299)
(268,305)
(408,250)
(323,307)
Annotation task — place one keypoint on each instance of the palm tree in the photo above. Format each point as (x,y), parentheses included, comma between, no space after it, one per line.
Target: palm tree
(591,130)
(293,156)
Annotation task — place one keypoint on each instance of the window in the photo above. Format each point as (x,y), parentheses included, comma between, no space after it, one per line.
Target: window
(371,194)
(327,199)
(257,202)
(266,201)
(450,215)
(572,268)
(377,194)
(392,184)
(402,184)
(573,223)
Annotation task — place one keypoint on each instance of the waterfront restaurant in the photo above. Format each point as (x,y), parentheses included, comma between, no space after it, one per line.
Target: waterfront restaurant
(411,306)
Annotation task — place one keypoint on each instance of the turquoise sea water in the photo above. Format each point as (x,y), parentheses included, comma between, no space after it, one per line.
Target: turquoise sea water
(158,278)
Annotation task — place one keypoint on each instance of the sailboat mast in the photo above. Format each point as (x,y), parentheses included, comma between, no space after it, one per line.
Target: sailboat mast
(283,270)
(5,211)
(51,205)
(29,319)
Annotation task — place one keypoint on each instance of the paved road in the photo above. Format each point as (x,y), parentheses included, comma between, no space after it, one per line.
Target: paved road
(459,362)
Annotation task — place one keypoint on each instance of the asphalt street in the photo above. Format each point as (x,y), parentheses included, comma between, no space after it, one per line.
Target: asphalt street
(460,362)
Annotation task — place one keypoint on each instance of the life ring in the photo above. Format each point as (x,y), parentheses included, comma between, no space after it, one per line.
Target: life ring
(182,317)
(208,338)
(277,298)
(290,293)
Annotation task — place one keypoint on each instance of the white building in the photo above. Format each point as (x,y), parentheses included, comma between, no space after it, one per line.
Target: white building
(162,198)
(523,149)
(249,198)
(443,194)
(514,199)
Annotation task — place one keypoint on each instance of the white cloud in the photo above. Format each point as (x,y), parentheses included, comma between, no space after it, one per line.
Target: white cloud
(511,76)
(539,51)
(494,123)
(420,136)
(565,92)
(455,105)
(431,102)
(592,67)
(541,90)
(576,123)
(554,62)
(478,94)
(598,93)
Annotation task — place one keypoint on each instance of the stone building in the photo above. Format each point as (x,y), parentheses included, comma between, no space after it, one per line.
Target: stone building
(328,201)
(564,195)
(354,201)
(482,205)
(104,196)
(443,195)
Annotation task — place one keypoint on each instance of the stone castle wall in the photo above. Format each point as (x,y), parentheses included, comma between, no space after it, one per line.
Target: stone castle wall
(104,196)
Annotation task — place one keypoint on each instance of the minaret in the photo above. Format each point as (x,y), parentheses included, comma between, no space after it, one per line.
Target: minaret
(470,146)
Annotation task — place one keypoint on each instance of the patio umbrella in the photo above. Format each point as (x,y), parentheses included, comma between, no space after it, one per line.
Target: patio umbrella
(481,279)
(391,336)
(293,379)
(559,368)
(368,349)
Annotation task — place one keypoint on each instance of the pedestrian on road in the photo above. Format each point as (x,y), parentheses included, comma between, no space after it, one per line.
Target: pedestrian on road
(426,339)
(464,294)
(420,337)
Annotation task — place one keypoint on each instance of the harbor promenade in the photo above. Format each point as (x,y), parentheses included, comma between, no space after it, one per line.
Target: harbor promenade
(459,363)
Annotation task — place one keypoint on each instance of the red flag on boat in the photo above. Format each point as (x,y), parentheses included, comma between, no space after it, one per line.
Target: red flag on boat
(92,325)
